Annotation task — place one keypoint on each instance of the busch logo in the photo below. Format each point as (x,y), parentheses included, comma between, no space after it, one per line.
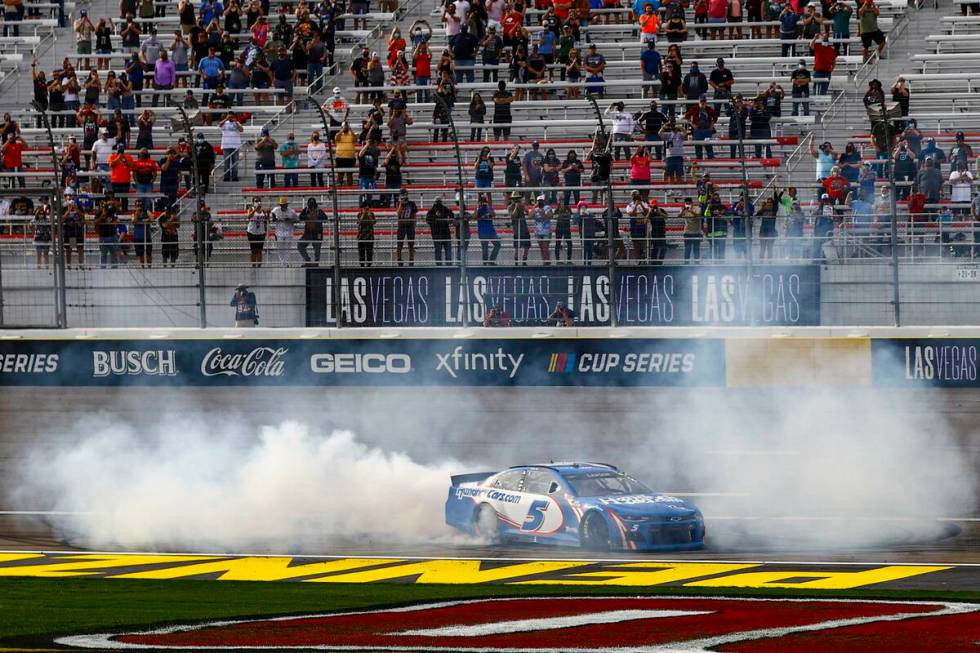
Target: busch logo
(261,361)
(161,362)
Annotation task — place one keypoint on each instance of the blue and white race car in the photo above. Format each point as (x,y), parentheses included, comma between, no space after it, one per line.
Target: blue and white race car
(592,505)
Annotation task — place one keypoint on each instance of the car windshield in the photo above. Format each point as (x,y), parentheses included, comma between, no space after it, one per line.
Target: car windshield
(598,484)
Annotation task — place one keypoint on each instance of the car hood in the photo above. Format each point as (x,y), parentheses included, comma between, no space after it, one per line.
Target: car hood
(643,504)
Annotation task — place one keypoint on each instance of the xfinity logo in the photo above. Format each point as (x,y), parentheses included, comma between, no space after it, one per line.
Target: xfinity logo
(261,361)
(361,363)
(160,362)
(459,361)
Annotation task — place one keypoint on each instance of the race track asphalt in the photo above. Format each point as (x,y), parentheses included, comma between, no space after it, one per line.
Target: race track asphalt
(505,426)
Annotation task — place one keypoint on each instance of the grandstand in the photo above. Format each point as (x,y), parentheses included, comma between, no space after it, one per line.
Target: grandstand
(556,103)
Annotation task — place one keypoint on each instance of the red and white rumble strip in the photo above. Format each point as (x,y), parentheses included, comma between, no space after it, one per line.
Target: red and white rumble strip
(588,625)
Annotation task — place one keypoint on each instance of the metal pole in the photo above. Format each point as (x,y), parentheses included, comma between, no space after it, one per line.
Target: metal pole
(60,303)
(886,122)
(463,231)
(336,212)
(747,216)
(611,210)
(199,230)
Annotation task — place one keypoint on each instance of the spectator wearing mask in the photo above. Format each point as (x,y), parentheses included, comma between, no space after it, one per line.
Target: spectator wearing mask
(256,228)
(622,129)
(487,231)
(694,85)
(930,181)
(905,170)
(800,79)
(721,81)
(289,152)
(932,151)
(650,64)
(825,156)
(206,160)
(367,167)
(120,174)
(145,172)
(313,219)
(961,152)
(231,143)
(439,220)
(702,119)
(265,159)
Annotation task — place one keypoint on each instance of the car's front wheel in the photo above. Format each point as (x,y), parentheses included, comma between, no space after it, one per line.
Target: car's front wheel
(595,533)
(485,524)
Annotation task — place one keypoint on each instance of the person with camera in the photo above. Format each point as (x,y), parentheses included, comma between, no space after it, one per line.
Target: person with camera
(256,228)
(284,220)
(438,218)
(246,309)
(496,317)
(673,139)
(869,30)
(313,219)
(406,214)
(562,316)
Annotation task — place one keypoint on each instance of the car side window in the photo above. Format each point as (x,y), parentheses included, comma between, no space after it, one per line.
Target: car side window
(539,481)
(510,480)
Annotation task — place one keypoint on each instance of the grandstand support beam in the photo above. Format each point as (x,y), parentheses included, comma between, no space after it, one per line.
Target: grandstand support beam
(57,212)
(610,215)
(336,210)
(746,214)
(463,230)
(200,231)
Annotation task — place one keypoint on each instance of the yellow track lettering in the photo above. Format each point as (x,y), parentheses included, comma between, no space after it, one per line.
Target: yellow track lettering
(647,574)
(89,565)
(450,572)
(822,580)
(256,569)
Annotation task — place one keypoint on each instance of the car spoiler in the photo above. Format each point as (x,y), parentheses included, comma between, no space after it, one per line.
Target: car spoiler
(470,478)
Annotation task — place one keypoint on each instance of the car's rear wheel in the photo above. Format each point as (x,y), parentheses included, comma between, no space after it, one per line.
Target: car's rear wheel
(485,524)
(595,533)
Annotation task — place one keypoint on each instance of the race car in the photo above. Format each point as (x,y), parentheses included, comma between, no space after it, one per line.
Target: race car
(591,505)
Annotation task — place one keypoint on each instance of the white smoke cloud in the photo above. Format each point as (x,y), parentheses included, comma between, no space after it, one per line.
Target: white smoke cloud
(194,485)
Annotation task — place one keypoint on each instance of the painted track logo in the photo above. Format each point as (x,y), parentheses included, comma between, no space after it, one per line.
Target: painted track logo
(588,624)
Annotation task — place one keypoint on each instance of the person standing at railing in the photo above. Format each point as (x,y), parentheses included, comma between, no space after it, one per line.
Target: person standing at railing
(840,14)
(905,169)
(289,153)
(164,78)
(800,80)
(41,227)
(313,219)
(231,143)
(284,220)
(73,232)
(84,29)
(869,30)
(961,187)
(206,160)
(438,218)
(824,59)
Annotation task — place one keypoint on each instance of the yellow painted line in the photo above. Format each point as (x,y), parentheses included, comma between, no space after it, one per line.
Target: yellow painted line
(265,569)
(89,565)
(641,574)
(823,580)
(451,572)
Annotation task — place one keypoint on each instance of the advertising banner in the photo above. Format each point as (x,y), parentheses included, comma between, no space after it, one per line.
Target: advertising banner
(646,296)
(328,362)
(925,362)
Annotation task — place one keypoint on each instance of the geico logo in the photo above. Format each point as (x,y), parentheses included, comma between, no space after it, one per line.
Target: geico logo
(361,363)
(161,362)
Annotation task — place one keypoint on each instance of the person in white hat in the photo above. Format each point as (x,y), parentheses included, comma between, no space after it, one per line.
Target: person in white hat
(284,219)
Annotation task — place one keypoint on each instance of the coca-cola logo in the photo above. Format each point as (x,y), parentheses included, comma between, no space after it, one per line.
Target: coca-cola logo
(261,361)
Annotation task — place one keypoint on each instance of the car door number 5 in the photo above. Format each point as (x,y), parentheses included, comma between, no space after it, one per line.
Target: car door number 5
(535,516)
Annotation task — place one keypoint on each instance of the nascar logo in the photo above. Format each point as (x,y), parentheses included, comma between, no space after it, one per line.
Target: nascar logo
(562,363)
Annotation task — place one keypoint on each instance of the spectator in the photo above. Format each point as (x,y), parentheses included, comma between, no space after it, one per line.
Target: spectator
(520,231)
(961,152)
(103,42)
(759,127)
(42,226)
(840,15)
(702,119)
(961,187)
(562,316)
(365,236)
(256,227)
(676,28)
(571,170)
(674,152)
(284,221)
(930,181)
(483,169)
(513,167)
(346,150)
(532,166)
(284,77)
(869,30)
(850,163)
(143,234)
(392,165)
(316,156)
(487,231)
(595,66)
(406,214)
(478,112)
(738,126)
(836,186)
(289,152)
(145,172)
(637,210)
(550,179)
(502,100)
(789,22)
(622,128)
(491,47)
(463,48)
(120,174)
(800,79)
(106,221)
(695,85)
(905,170)
(231,143)
(650,63)
(649,24)
(542,215)
(206,160)
(164,77)
(73,229)
(496,317)
(246,311)
(640,171)
(586,223)
(265,159)
(210,69)
(824,58)
(367,167)
(13,157)
(825,157)
(721,81)
(439,220)
(932,151)
(84,29)
(313,219)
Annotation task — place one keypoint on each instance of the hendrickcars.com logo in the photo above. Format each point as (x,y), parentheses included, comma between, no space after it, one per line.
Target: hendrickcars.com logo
(631,363)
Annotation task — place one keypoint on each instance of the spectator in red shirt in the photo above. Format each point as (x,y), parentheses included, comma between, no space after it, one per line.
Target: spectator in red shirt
(144,173)
(422,60)
(824,58)
(512,24)
(836,186)
(13,156)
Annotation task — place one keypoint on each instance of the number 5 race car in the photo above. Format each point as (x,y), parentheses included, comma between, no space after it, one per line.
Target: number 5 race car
(591,505)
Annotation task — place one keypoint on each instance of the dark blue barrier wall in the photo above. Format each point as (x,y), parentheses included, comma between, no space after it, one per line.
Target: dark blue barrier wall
(646,296)
(925,362)
(302,362)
